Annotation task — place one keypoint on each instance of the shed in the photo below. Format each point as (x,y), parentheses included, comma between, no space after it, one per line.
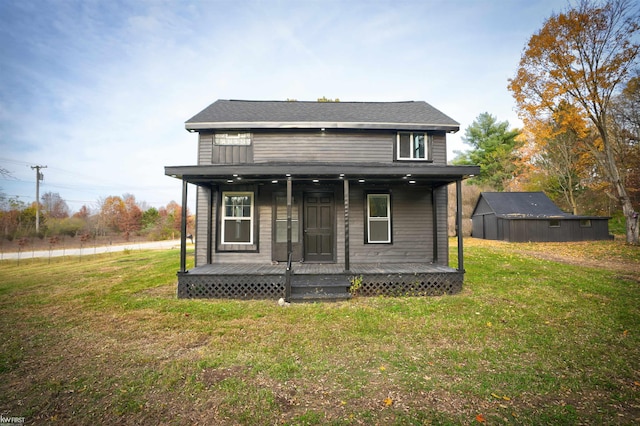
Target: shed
(532,216)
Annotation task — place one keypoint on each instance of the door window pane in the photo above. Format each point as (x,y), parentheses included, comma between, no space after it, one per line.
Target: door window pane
(281,220)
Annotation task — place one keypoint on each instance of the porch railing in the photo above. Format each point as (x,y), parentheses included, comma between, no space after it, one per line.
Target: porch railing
(287,282)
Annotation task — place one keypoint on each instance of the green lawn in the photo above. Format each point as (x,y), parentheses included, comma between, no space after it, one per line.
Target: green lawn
(528,341)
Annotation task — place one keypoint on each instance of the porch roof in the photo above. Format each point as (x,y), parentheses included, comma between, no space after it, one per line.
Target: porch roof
(432,174)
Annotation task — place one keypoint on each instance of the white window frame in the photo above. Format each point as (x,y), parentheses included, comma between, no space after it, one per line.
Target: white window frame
(225,218)
(232,139)
(379,219)
(428,148)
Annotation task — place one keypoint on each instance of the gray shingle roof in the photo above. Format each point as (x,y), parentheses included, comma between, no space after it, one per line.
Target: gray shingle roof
(239,114)
(522,204)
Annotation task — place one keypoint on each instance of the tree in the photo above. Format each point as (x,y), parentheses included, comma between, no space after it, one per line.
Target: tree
(625,127)
(131,220)
(325,99)
(54,206)
(581,57)
(560,163)
(112,211)
(83,213)
(493,149)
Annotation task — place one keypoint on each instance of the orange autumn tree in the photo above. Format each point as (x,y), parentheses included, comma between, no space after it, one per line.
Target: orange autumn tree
(559,162)
(582,57)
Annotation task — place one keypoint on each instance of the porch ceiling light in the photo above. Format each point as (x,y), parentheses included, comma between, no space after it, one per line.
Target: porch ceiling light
(229,180)
(274,181)
(361,180)
(412,181)
(316,180)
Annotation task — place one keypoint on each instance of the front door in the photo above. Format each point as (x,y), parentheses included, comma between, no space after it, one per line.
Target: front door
(319,234)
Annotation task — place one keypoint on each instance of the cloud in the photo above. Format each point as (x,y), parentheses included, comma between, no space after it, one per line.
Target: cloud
(99,91)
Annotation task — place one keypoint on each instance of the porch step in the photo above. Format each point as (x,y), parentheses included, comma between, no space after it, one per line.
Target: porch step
(319,297)
(311,288)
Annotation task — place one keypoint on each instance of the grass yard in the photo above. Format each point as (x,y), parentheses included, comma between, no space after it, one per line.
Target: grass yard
(541,334)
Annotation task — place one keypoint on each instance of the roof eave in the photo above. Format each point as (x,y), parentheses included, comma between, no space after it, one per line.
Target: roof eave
(197,126)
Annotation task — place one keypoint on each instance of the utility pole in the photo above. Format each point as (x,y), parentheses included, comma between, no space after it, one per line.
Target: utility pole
(39,177)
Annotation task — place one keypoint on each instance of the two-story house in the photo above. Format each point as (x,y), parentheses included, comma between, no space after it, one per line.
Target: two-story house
(302,199)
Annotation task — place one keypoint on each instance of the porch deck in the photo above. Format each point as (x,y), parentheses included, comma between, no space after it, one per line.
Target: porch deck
(267,281)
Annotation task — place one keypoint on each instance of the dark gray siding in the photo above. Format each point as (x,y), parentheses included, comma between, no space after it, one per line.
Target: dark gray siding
(440,148)
(231,154)
(442,202)
(482,207)
(201,234)
(334,147)
(477,226)
(205,145)
(209,153)
(570,229)
(486,226)
(412,227)
(323,147)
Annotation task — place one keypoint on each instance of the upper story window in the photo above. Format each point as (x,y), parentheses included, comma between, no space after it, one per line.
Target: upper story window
(414,146)
(243,139)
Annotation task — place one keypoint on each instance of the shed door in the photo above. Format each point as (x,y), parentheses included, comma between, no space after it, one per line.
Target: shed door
(318,227)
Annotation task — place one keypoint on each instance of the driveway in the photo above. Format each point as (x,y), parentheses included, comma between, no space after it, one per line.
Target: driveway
(152,245)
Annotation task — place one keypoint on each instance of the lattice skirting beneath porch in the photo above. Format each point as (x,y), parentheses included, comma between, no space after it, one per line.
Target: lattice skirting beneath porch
(273,286)
(192,286)
(421,284)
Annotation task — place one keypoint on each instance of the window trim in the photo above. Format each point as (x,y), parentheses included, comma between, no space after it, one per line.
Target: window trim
(428,147)
(232,139)
(224,217)
(554,223)
(585,223)
(368,218)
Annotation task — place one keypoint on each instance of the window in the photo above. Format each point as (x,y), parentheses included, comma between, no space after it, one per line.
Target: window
(281,220)
(414,146)
(237,218)
(378,218)
(585,223)
(554,223)
(232,139)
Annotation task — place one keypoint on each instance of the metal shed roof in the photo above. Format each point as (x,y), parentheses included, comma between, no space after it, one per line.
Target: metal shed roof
(245,114)
(521,205)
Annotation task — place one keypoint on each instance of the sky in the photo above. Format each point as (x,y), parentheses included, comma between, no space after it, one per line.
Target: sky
(98,91)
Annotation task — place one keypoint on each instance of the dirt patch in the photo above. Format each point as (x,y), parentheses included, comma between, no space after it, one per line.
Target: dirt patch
(213,376)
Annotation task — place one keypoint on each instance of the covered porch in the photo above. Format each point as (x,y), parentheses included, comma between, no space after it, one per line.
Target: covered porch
(317,281)
(295,280)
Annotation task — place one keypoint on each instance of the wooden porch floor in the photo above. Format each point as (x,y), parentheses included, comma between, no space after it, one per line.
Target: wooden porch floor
(319,268)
